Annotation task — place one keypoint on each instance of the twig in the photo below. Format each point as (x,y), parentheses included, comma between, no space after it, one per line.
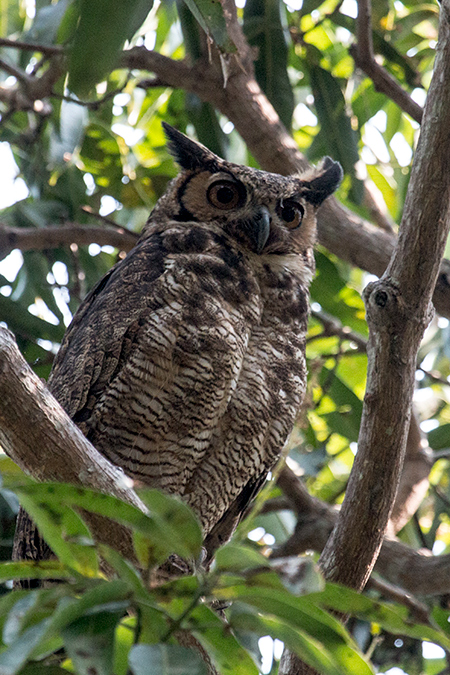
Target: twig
(333,326)
(31,46)
(20,75)
(420,612)
(364,58)
(106,220)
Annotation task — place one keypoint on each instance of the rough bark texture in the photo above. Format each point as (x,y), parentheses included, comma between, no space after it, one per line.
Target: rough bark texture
(44,442)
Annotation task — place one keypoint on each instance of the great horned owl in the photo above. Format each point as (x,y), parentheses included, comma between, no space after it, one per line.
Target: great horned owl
(185,365)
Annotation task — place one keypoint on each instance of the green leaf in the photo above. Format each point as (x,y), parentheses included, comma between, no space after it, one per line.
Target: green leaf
(113,596)
(89,642)
(264,30)
(95,52)
(309,649)
(165,659)
(439,438)
(16,655)
(28,569)
(209,14)
(302,615)
(367,102)
(335,125)
(238,557)
(207,127)
(215,636)
(169,528)
(182,528)
(42,669)
(62,529)
(395,619)
(45,26)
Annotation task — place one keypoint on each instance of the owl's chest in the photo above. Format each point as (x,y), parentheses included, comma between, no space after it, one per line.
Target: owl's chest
(272,380)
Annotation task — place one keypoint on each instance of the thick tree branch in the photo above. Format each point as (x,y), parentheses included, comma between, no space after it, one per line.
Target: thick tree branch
(414,480)
(44,442)
(31,238)
(398,310)
(364,58)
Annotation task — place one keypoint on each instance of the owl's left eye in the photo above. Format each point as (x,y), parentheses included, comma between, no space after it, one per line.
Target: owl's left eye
(224,194)
(292,213)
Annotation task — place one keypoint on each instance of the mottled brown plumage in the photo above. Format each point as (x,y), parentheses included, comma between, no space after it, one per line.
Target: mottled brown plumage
(185,365)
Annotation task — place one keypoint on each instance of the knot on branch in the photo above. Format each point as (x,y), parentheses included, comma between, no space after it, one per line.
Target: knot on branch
(384,303)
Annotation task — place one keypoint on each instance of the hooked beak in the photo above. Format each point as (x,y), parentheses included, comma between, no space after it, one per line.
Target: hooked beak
(261,228)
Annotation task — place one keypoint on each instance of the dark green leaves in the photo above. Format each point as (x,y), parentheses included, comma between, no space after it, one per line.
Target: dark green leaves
(264,29)
(335,126)
(89,641)
(102,29)
(209,15)
(165,660)
(156,536)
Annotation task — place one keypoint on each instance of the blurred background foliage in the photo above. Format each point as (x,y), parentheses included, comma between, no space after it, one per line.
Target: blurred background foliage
(93,153)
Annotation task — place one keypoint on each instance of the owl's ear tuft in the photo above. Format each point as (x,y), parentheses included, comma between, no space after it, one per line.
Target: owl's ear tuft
(328,177)
(187,153)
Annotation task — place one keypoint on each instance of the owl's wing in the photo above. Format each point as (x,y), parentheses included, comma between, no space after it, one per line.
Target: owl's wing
(151,361)
(101,330)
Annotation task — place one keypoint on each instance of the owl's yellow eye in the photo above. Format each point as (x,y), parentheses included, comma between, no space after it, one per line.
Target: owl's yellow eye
(292,213)
(224,194)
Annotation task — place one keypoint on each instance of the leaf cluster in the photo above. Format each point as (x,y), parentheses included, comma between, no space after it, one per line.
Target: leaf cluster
(80,621)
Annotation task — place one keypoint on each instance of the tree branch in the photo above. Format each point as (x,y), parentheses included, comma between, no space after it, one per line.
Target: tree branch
(44,442)
(364,58)
(48,50)
(398,310)
(38,239)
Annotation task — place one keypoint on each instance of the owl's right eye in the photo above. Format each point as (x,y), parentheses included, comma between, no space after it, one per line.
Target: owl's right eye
(224,194)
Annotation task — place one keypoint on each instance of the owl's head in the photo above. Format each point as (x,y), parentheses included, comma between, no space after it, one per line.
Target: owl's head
(266,213)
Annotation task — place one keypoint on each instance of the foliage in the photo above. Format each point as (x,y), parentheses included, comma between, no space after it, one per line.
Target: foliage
(95,146)
(90,623)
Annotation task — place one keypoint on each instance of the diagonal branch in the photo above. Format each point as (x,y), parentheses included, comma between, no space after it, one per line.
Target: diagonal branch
(44,442)
(364,58)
